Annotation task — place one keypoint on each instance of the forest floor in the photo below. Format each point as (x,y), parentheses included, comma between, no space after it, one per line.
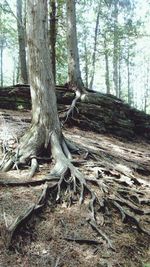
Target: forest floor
(60,234)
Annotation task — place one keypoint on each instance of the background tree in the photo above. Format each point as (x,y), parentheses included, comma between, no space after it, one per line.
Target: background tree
(74,72)
(45,126)
(95,44)
(22,43)
(53,33)
(8,40)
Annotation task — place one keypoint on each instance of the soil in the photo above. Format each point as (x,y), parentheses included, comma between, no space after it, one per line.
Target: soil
(60,234)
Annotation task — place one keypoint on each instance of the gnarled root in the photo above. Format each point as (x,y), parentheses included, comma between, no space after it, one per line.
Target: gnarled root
(26,152)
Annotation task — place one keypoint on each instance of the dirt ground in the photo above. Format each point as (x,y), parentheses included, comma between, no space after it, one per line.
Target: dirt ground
(60,234)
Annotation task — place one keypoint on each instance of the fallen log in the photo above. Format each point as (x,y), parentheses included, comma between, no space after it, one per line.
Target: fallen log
(102,113)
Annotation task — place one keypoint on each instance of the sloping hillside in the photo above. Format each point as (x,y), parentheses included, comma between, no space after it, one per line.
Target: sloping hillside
(100,112)
(111,227)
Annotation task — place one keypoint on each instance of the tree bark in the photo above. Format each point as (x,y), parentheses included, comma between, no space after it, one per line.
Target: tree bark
(86,66)
(22,44)
(74,73)
(44,107)
(95,47)
(128,75)
(146,95)
(53,36)
(1,62)
(115,48)
(45,131)
(107,81)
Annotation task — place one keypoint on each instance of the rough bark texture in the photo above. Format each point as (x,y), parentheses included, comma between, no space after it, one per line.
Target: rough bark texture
(45,128)
(96,111)
(53,35)
(22,44)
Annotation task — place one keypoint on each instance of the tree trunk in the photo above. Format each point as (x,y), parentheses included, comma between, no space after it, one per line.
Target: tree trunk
(74,73)
(115,48)
(53,36)
(119,77)
(1,63)
(95,47)
(130,97)
(128,78)
(22,44)
(107,81)
(146,95)
(44,108)
(45,131)
(86,65)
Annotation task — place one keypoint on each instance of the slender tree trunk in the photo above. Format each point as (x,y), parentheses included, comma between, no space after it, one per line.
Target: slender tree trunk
(119,77)
(14,71)
(115,48)
(22,43)
(95,47)
(17,70)
(86,66)
(107,81)
(128,76)
(1,63)
(146,90)
(74,73)
(53,35)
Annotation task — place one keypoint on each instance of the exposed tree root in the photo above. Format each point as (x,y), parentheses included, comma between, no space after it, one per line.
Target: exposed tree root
(26,215)
(101,233)
(103,193)
(79,91)
(26,152)
(70,111)
(82,241)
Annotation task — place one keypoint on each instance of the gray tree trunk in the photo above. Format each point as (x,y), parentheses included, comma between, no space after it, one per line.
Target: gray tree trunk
(107,81)
(44,107)
(95,47)
(86,65)
(119,78)
(128,77)
(53,35)
(115,48)
(45,131)
(74,73)
(147,89)
(1,63)
(22,44)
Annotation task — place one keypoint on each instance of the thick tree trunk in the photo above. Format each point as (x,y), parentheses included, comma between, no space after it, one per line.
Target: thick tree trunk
(44,107)
(45,131)
(53,36)
(74,73)
(22,44)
